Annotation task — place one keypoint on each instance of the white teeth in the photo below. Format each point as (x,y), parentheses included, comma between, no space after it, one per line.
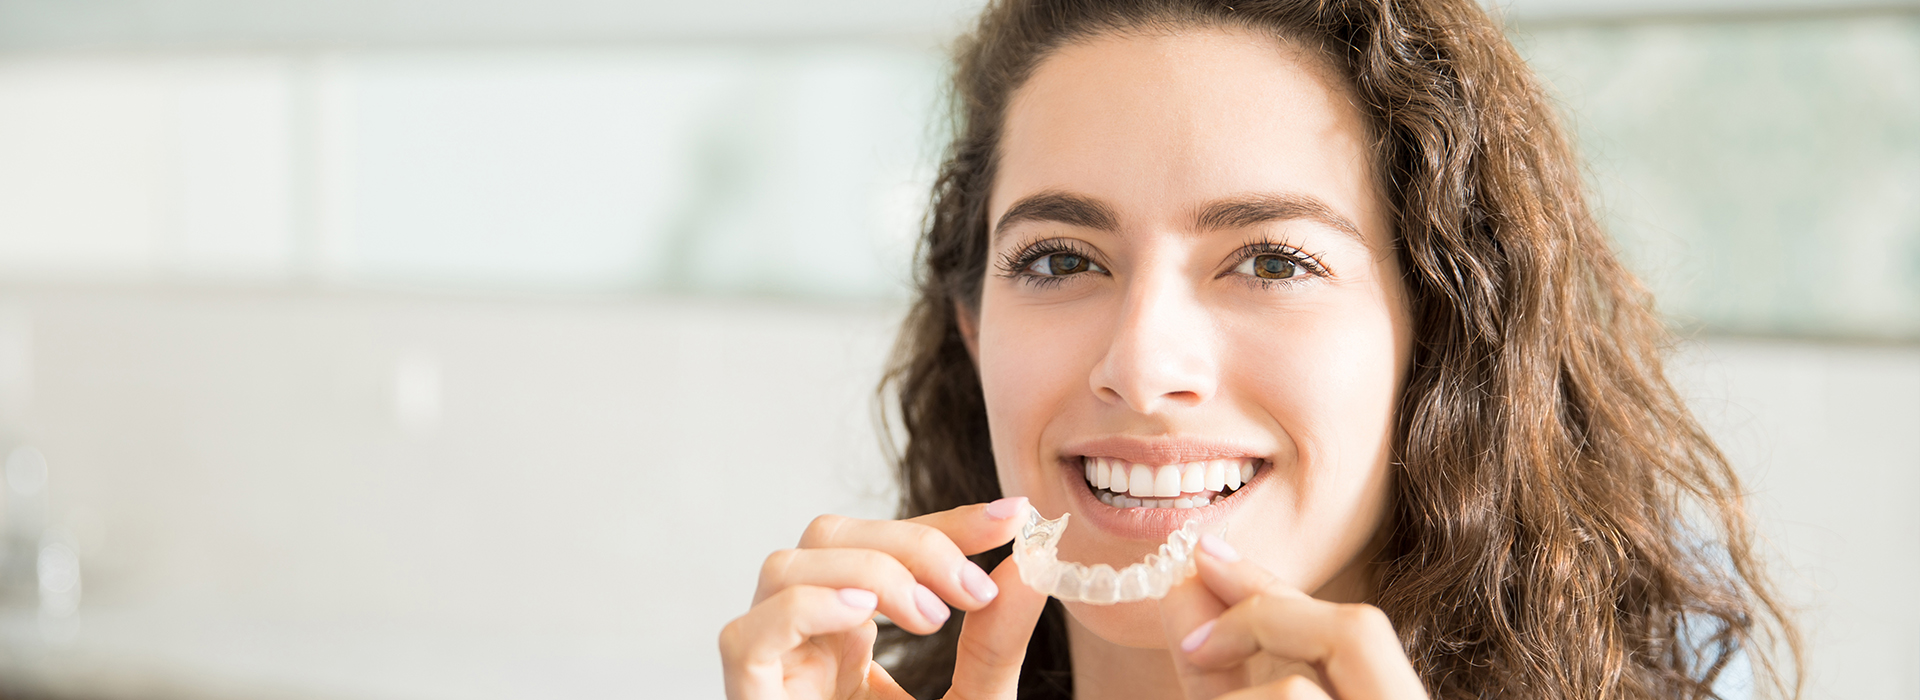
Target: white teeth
(1190,485)
(1193,477)
(1140,481)
(1166,481)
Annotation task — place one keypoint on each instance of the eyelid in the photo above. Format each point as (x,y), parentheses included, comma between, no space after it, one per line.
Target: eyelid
(1258,247)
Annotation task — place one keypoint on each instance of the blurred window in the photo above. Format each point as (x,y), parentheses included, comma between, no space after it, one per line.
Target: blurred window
(1759,173)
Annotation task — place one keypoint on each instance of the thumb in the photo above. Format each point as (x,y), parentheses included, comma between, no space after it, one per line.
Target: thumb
(880,684)
(993,639)
(1187,607)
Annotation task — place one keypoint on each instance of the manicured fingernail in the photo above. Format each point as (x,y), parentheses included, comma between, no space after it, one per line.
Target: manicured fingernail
(930,605)
(1197,637)
(1006,507)
(859,599)
(1218,548)
(978,583)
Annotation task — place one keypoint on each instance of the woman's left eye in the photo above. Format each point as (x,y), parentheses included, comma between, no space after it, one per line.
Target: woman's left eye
(1269,267)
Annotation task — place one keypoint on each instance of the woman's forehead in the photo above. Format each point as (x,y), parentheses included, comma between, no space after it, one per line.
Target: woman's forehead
(1159,124)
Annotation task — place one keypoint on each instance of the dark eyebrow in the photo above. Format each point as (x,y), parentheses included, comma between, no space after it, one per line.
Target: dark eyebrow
(1061,207)
(1247,210)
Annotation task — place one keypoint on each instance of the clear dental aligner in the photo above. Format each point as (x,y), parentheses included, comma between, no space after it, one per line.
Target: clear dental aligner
(1041,569)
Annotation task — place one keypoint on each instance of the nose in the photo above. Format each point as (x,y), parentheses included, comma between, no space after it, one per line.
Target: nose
(1162,353)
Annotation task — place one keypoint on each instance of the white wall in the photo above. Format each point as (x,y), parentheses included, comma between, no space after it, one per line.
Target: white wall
(1823,435)
(364,496)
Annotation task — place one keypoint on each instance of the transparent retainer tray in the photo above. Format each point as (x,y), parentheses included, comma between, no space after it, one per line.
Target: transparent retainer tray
(1041,569)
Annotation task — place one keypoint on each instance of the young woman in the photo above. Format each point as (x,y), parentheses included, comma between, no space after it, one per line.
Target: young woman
(1337,244)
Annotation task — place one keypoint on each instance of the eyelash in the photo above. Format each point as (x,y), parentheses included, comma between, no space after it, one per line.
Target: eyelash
(1014,265)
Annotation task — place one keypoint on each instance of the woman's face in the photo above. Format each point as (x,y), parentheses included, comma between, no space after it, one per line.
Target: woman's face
(1192,268)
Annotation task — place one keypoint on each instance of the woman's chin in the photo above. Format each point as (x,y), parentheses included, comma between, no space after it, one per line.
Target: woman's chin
(1135,625)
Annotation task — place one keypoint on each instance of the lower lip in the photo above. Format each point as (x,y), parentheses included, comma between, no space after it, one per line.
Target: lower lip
(1147,524)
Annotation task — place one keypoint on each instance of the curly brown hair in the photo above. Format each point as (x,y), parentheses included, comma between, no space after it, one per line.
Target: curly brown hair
(1562,527)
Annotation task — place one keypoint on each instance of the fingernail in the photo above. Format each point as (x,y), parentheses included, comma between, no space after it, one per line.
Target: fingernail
(978,583)
(1198,636)
(1006,507)
(1218,548)
(930,605)
(859,599)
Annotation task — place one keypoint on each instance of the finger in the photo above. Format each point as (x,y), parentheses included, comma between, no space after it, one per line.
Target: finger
(981,526)
(993,640)
(903,599)
(857,668)
(933,547)
(1354,646)
(881,684)
(751,645)
(1189,605)
(1233,579)
(1289,688)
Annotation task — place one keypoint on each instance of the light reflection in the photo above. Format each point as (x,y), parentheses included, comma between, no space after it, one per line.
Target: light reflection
(26,471)
(58,568)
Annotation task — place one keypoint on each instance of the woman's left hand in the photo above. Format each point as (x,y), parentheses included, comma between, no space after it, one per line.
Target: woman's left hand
(1237,631)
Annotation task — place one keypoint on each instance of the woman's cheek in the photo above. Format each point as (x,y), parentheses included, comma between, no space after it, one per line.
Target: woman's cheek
(1028,372)
(1336,362)
(1327,377)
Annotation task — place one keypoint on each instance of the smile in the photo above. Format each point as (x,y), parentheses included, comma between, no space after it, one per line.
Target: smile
(1121,484)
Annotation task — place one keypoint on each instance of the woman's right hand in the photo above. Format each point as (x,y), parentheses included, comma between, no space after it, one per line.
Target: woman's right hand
(810,631)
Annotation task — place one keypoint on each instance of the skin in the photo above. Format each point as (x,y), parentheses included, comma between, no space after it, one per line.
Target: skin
(1156,326)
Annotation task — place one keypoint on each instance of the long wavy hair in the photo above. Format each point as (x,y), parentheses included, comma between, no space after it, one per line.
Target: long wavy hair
(1561,525)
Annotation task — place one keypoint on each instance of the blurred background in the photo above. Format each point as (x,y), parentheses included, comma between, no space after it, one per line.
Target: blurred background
(418,349)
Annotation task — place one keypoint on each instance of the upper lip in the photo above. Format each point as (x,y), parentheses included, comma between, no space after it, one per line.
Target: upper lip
(1160,451)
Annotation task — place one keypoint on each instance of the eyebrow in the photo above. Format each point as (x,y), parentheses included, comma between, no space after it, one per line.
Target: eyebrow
(1229,213)
(1060,207)
(1247,210)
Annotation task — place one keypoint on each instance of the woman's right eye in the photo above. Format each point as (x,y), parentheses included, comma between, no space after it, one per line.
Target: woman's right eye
(1061,265)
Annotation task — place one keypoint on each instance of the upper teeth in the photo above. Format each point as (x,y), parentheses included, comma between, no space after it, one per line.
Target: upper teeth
(1191,482)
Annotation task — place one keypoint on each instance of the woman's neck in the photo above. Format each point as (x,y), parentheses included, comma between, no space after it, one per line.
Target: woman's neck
(1102,669)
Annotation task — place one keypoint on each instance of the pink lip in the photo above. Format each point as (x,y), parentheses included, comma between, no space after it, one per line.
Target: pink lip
(1159,452)
(1152,524)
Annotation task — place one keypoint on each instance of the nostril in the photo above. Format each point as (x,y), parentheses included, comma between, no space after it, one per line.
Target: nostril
(1153,382)
(1184,397)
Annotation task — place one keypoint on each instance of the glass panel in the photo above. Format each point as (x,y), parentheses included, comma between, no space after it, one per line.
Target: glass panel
(1762,176)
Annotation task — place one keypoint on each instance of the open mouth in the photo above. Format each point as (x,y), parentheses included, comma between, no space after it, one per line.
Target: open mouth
(1121,484)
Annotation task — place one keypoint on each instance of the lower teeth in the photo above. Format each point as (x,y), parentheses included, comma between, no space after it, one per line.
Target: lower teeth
(1119,500)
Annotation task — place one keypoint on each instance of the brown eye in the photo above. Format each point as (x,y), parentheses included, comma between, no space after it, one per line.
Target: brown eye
(1059,264)
(1274,267)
